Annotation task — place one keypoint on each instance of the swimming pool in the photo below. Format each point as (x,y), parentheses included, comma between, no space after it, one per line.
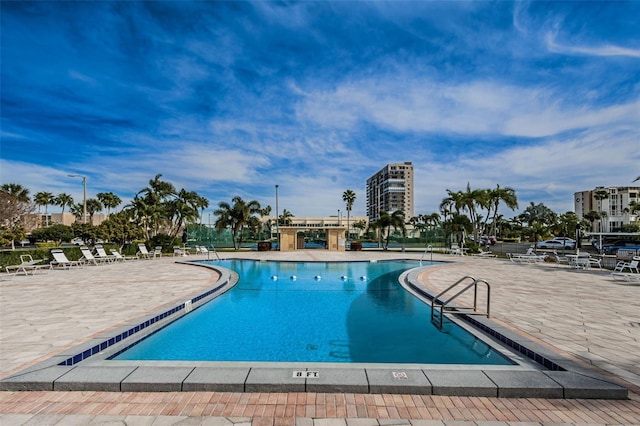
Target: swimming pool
(339,312)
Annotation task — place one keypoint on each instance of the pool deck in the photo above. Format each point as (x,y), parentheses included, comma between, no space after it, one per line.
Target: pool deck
(586,316)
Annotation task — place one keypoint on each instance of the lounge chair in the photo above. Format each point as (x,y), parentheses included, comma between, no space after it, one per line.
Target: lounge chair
(143,252)
(60,260)
(622,276)
(120,258)
(157,252)
(486,254)
(529,257)
(27,264)
(179,251)
(88,257)
(456,250)
(631,266)
(102,254)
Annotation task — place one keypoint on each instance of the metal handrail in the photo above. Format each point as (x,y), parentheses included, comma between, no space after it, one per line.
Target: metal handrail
(443,304)
(425,253)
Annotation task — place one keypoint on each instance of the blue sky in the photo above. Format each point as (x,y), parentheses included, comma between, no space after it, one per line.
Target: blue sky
(232,98)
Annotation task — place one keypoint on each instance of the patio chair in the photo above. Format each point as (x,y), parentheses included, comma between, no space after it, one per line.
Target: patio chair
(27,264)
(120,258)
(60,260)
(179,251)
(486,254)
(623,276)
(88,257)
(631,266)
(143,252)
(157,252)
(102,254)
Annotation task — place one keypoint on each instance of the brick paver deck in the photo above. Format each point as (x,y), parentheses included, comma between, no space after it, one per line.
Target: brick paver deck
(584,315)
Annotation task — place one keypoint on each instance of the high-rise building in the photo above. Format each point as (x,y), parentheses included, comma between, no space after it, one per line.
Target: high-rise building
(613,203)
(391,189)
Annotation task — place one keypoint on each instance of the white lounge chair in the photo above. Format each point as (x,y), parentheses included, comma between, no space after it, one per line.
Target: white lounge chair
(157,252)
(27,264)
(486,254)
(622,276)
(120,258)
(143,252)
(631,266)
(60,260)
(179,251)
(102,254)
(88,257)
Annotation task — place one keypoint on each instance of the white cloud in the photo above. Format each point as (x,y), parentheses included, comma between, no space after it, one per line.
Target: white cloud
(602,50)
(415,104)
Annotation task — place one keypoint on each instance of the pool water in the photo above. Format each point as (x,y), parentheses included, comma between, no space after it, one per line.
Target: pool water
(346,312)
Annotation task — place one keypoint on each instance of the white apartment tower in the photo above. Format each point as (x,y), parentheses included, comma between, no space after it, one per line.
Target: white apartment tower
(612,202)
(391,189)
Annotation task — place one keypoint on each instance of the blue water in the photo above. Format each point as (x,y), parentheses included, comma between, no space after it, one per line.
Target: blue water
(352,312)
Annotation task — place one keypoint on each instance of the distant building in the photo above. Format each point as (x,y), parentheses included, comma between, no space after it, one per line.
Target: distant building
(391,189)
(612,202)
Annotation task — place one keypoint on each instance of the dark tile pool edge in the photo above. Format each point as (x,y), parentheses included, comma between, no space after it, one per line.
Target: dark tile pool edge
(92,373)
(548,360)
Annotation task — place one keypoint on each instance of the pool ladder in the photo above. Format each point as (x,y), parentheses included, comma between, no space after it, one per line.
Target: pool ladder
(443,306)
(427,249)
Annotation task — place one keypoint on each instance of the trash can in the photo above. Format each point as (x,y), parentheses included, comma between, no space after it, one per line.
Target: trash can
(264,246)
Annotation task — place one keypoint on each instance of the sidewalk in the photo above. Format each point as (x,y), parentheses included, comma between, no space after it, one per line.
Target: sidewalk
(584,315)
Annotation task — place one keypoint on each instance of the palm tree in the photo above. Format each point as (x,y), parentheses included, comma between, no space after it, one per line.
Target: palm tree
(471,199)
(77,210)
(19,192)
(183,209)
(457,225)
(201,203)
(44,199)
(507,196)
(235,216)
(285,218)
(349,197)
(599,195)
(386,221)
(109,200)
(93,206)
(592,216)
(63,200)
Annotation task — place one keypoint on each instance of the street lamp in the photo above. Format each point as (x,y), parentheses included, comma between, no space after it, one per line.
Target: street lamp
(277,233)
(84,197)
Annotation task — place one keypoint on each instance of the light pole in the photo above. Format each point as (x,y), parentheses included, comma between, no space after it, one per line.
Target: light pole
(84,196)
(338,217)
(277,233)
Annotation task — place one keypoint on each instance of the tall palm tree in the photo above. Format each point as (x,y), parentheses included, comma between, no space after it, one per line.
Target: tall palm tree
(201,203)
(472,199)
(19,192)
(349,197)
(109,200)
(44,199)
(599,195)
(183,209)
(507,196)
(235,216)
(63,200)
(285,218)
(93,206)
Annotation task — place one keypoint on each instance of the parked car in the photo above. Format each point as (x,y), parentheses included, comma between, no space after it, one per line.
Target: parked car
(565,240)
(555,244)
(613,248)
(484,240)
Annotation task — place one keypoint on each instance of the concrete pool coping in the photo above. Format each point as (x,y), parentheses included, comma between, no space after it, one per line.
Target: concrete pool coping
(565,379)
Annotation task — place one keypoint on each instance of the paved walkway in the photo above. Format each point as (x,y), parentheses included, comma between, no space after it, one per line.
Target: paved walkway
(584,315)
